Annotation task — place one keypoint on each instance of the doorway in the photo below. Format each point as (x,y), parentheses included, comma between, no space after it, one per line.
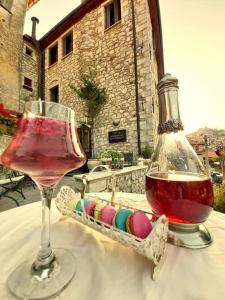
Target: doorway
(84,133)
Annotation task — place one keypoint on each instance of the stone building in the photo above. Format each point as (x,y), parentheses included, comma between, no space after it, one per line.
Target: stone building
(12,15)
(29,72)
(121,40)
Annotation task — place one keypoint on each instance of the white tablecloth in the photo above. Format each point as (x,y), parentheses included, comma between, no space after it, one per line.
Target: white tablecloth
(107,270)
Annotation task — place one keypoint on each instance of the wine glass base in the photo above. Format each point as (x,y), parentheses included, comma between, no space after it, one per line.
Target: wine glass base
(24,284)
(192,236)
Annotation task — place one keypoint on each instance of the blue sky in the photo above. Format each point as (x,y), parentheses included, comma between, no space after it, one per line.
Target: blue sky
(194,52)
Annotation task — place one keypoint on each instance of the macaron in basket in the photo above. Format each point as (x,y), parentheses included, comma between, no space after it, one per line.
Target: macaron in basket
(122,218)
(142,231)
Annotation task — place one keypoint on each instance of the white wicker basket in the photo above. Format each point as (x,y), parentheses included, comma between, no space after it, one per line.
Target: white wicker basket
(153,247)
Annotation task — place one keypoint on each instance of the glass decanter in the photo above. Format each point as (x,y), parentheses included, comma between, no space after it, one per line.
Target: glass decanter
(177,184)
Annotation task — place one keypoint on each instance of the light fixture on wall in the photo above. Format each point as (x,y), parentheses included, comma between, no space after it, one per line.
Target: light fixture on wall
(116,122)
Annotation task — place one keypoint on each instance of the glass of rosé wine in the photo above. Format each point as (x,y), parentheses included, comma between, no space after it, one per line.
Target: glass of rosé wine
(45,147)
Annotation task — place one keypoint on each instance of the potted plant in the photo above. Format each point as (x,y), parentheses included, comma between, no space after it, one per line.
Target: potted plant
(114,159)
(147,153)
(93,162)
(106,158)
(117,160)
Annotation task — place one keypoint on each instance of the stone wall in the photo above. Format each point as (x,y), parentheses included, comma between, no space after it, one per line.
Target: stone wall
(132,181)
(110,53)
(11,43)
(128,180)
(29,69)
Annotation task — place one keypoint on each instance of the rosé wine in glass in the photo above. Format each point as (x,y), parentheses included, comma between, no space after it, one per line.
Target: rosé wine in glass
(182,197)
(43,149)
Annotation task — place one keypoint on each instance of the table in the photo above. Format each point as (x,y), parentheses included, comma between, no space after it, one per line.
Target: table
(107,270)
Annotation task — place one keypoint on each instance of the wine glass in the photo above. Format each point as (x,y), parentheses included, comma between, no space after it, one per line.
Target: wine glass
(46,147)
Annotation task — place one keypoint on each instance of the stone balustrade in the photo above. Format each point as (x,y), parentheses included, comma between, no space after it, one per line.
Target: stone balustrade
(129,180)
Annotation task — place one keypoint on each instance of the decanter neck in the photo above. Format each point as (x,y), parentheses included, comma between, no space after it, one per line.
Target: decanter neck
(169,114)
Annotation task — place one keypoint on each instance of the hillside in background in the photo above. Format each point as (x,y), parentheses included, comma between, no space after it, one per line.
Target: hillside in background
(210,131)
(215,137)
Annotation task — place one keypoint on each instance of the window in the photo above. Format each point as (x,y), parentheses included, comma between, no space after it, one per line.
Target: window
(153,106)
(67,43)
(28,51)
(53,54)
(54,94)
(27,83)
(6,4)
(154,40)
(112,13)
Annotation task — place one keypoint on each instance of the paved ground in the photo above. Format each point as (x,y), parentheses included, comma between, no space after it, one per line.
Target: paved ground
(32,194)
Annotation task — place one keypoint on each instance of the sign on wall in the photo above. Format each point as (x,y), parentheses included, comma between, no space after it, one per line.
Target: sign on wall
(117,136)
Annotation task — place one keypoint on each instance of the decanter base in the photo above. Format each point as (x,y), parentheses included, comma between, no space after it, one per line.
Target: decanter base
(192,236)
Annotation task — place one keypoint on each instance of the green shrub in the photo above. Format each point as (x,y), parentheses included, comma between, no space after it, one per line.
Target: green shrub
(106,154)
(147,152)
(219,198)
(115,155)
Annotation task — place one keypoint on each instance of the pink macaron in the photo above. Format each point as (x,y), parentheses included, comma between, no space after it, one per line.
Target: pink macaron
(139,224)
(107,214)
(89,208)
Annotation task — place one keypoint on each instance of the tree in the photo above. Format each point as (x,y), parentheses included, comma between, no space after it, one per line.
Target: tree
(90,91)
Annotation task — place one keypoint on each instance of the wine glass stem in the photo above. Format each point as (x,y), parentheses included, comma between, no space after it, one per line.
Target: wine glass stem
(45,255)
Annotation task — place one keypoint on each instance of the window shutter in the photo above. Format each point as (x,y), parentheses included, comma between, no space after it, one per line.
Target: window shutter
(107,16)
(116,10)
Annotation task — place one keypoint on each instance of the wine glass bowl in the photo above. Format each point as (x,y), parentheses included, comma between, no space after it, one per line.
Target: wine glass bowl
(45,147)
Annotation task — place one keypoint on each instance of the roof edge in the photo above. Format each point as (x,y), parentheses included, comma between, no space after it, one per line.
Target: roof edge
(85,7)
(154,9)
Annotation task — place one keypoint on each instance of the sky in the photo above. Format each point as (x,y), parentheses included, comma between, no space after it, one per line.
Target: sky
(194,52)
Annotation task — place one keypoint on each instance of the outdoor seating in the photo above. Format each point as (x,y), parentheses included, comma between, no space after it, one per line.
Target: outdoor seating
(12,185)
